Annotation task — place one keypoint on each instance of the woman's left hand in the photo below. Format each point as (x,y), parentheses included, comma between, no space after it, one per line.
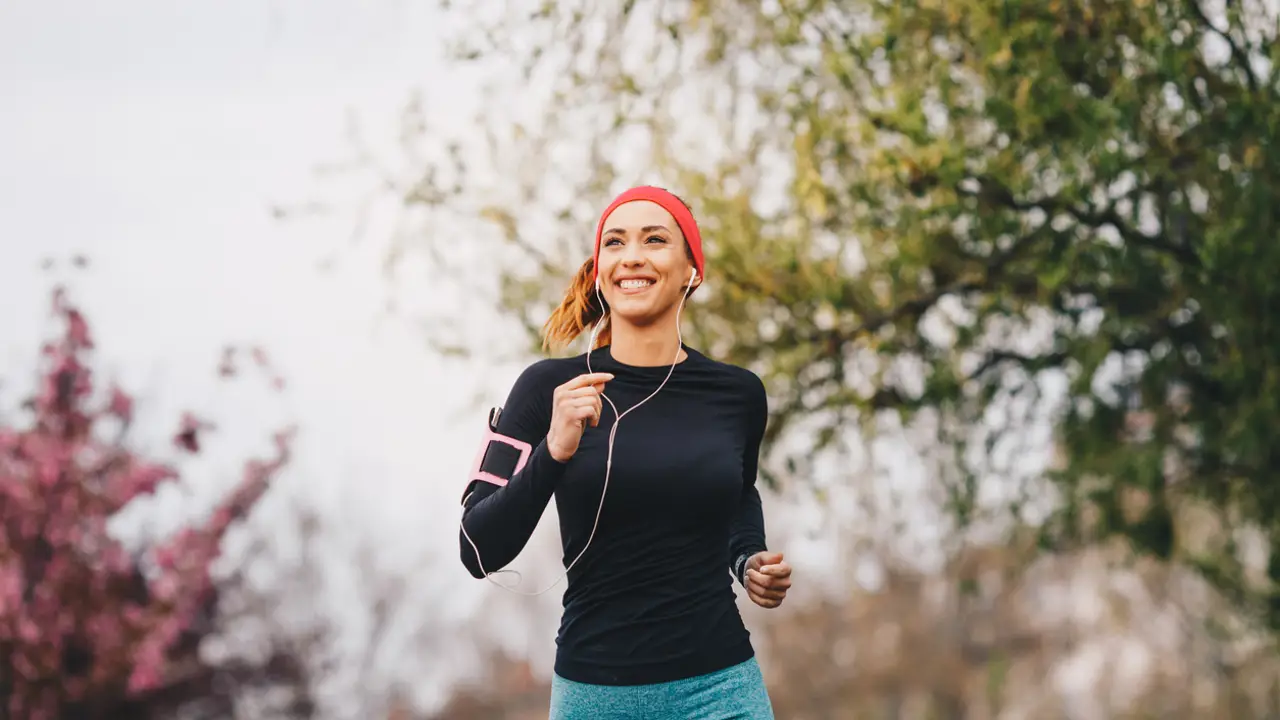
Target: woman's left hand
(768,577)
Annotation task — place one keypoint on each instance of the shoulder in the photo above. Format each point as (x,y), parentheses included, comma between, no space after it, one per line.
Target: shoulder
(543,376)
(751,382)
(537,382)
(741,380)
(749,394)
(527,411)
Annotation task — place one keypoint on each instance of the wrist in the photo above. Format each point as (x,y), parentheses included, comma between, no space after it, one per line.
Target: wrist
(740,568)
(556,454)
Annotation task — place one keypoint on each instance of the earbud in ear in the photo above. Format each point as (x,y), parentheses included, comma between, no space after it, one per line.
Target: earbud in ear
(693,274)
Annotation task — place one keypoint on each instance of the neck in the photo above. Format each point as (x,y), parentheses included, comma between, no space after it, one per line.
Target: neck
(649,346)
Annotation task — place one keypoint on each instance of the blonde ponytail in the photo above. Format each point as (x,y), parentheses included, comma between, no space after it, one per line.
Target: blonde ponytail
(580,309)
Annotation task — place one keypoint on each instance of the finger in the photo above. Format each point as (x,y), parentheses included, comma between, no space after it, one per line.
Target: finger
(584,412)
(770,558)
(587,379)
(780,570)
(771,597)
(768,582)
(590,405)
(766,591)
(771,580)
(765,602)
(588,391)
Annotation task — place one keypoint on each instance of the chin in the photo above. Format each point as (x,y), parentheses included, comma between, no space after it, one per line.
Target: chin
(631,314)
(638,316)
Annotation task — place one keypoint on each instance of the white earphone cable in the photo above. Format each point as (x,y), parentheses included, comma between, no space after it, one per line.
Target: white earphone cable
(608,463)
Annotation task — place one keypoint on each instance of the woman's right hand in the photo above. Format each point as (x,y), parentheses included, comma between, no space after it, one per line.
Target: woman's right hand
(573,405)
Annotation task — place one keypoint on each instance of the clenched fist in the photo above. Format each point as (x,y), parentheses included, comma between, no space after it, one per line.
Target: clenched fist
(768,578)
(573,405)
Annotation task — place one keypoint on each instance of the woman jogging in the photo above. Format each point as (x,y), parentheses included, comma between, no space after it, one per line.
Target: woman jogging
(650,449)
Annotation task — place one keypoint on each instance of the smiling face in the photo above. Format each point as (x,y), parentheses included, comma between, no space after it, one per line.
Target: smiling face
(644,263)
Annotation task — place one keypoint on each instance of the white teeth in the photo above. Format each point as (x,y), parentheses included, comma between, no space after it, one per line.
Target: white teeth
(635,284)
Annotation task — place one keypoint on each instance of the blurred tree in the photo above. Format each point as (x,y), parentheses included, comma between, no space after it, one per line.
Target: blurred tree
(88,628)
(971,215)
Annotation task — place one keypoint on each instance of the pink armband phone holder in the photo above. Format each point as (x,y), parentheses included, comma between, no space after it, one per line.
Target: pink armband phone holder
(491,436)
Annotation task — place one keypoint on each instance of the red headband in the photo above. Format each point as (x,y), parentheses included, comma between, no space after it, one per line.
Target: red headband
(668,202)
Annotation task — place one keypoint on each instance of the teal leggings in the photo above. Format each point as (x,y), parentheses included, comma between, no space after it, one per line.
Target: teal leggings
(735,693)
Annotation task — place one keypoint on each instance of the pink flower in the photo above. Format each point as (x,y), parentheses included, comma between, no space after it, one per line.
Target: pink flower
(187,436)
(78,330)
(140,480)
(166,558)
(165,588)
(28,631)
(121,405)
(146,670)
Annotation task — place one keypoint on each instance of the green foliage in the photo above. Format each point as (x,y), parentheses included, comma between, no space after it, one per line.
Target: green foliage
(946,209)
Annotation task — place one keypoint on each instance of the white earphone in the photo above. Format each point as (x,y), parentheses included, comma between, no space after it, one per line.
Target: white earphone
(613,433)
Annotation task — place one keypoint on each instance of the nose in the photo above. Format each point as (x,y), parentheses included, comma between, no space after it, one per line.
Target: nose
(631,255)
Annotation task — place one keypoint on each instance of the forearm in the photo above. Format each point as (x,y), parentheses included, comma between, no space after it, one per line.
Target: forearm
(498,522)
(747,536)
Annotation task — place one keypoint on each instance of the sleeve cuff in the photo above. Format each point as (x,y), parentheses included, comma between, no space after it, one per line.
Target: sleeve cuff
(740,569)
(545,468)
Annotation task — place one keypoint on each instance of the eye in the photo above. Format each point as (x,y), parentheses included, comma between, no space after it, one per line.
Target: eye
(611,241)
(655,238)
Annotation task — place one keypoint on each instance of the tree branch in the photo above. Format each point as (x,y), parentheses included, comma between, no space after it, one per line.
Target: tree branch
(1237,53)
(1032,364)
(992,191)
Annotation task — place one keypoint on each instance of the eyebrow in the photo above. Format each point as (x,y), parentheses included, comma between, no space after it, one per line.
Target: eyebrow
(645,229)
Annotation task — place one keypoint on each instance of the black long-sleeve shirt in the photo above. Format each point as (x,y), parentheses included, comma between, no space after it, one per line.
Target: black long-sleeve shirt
(652,599)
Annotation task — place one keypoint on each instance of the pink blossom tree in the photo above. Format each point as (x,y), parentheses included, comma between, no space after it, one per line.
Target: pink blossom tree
(88,627)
